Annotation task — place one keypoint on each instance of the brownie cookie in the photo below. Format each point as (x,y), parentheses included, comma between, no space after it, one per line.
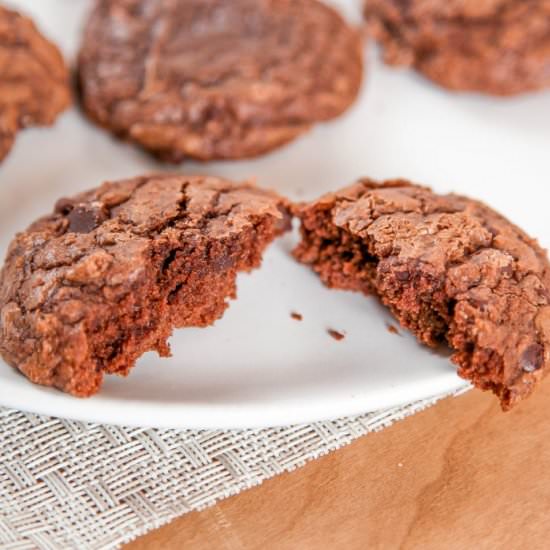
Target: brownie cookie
(106,277)
(449,268)
(34,82)
(499,47)
(212,79)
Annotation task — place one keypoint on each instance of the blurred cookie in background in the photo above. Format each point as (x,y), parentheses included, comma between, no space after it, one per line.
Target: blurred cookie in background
(34,81)
(210,79)
(499,47)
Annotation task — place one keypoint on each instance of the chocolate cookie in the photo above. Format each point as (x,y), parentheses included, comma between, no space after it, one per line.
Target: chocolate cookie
(212,79)
(495,46)
(449,268)
(34,82)
(88,289)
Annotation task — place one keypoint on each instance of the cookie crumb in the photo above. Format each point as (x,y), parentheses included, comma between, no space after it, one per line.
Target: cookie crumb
(392,329)
(296,316)
(335,334)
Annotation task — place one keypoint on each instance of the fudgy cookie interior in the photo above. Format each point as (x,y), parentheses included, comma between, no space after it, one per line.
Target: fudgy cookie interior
(348,262)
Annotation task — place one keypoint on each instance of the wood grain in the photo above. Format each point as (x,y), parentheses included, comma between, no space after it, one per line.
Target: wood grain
(460,475)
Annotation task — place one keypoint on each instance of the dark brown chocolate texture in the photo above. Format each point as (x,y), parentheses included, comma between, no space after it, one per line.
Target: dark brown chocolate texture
(34,82)
(216,79)
(88,289)
(499,47)
(450,269)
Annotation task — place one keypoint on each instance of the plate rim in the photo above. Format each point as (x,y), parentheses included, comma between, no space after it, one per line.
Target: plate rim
(16,389)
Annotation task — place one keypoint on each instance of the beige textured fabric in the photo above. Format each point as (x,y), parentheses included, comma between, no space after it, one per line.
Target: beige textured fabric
(67,484)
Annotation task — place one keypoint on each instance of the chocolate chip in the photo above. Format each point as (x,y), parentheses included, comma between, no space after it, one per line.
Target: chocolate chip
(64,206)
(508,271)
(478,303)
(285,222)
(402,276)
(532,358)
(85,218)
(223,263)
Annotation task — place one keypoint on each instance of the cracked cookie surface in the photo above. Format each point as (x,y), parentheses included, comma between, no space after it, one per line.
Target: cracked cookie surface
(451,270)
(106,277)
(500,47)
(212,79)
(34,81)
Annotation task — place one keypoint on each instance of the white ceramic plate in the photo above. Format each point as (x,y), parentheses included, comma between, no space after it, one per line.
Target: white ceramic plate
(257,366)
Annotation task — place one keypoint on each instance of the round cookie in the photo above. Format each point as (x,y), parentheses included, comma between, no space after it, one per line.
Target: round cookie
(449,268)
(499,47)
(34,81)
(106,277)
(212,79)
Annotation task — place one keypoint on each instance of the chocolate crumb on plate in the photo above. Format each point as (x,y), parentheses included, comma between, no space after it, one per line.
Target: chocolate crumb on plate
(392,329)
(451,270)
(336,334)
(296,316)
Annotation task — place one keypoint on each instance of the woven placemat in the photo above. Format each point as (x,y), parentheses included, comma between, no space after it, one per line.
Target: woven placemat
(67,484)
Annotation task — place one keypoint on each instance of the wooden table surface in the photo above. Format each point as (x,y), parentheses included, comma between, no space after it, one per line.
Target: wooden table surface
(460,475)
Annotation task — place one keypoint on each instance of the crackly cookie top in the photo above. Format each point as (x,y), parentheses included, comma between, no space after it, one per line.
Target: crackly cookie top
(105,232)
(409,221)
(450,267)
(216,79)
(34,82)
(494,46)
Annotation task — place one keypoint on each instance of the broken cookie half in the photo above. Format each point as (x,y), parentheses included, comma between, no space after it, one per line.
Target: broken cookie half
(450,269)
(106,277)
